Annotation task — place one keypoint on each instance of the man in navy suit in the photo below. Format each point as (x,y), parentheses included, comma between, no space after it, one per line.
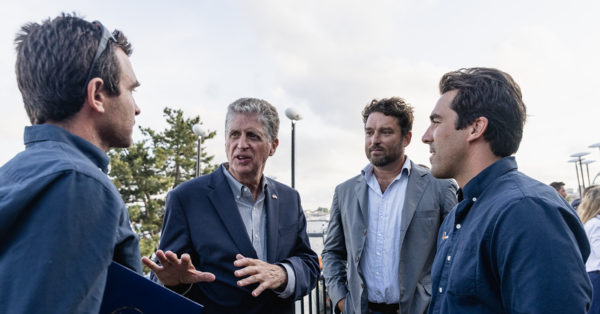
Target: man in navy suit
(236,240)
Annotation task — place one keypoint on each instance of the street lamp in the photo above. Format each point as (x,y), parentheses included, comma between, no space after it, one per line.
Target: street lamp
(577,171)
(201,132)
(293,115)
(586,163)
(579,155)
(592,146)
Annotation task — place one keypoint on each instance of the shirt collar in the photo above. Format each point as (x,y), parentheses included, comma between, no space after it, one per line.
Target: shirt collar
(236,186)
(367,171)
(49,132)
(480,182)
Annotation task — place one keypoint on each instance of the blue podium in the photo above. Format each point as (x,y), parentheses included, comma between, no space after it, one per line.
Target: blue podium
(127,292)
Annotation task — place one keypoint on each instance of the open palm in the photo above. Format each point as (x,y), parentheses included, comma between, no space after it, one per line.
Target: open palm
(173,271)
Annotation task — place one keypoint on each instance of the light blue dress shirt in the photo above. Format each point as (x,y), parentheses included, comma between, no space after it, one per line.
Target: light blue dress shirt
(254,215)
(381,255)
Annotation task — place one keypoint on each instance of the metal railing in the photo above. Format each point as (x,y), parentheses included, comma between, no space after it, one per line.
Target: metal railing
(318,299)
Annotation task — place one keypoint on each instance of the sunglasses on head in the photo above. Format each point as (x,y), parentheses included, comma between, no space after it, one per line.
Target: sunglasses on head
(106,36)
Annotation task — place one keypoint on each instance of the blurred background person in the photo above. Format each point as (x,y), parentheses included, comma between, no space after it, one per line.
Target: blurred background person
(560,188)
(589,212)
(577,202)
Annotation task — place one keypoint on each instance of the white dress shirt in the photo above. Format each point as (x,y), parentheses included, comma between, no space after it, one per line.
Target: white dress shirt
(592,229)
(254,216)
(381,254)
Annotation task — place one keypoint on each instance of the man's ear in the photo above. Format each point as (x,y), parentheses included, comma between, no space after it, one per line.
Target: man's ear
(96,96)
(477,129)
(407,138)
(274,147)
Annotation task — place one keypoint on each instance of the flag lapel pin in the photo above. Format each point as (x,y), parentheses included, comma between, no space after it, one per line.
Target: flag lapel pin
(274,196)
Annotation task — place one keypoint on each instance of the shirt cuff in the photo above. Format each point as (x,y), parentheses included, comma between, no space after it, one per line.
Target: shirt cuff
(291,284)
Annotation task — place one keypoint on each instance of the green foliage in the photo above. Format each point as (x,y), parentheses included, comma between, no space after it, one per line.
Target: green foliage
(323,209)
(150,168)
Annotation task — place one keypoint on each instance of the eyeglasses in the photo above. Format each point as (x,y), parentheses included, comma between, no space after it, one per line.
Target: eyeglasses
(106,36)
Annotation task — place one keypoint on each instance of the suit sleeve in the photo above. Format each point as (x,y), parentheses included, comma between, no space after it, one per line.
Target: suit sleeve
(335,255)
(449,198)
(175,236)
(304,261)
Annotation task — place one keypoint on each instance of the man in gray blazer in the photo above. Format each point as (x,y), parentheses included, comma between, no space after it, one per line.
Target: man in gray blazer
(384,222)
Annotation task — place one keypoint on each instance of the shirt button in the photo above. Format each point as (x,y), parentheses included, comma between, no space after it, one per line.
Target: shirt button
(457,226)
(379,234)
(381,216)
(378,292)
(377,273)
(448,257)
(474,199)
(383,199)
(378,253)
(256,235)
(440,289)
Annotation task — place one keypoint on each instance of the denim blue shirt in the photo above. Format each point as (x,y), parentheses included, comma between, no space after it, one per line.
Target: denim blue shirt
(254,215)
(62,222)
(511,245)
(382,246)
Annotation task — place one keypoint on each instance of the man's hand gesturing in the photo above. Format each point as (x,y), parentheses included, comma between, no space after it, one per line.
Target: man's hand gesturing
(269,276)
(174,271)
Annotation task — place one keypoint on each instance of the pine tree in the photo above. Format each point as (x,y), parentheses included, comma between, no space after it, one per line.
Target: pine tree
(150,168)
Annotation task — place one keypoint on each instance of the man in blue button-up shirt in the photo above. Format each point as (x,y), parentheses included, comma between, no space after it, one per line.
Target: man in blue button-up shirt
(62,221)
(512,244)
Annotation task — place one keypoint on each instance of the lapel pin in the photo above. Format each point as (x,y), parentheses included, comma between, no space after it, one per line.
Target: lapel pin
(274,196)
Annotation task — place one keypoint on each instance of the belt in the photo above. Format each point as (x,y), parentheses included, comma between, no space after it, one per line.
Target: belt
(593,271)
(384,308)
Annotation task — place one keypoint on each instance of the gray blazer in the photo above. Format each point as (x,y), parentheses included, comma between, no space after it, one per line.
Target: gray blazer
(428,201)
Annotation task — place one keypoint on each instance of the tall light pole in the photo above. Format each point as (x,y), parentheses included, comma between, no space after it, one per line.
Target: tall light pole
(592,146)
(579,155)
(293,115)
(201,132)
(575,161)
(586,163)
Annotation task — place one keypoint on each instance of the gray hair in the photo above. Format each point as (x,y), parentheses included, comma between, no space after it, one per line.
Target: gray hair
(267,115)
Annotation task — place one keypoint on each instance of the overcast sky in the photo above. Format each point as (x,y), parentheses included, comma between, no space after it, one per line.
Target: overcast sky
(328,59)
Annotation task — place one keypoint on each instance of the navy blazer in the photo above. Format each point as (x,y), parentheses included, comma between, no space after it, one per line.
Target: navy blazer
(203,220)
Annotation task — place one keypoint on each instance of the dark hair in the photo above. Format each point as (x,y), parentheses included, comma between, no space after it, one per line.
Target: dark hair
(53,61)
(557,185)
(395,107)
(493,94)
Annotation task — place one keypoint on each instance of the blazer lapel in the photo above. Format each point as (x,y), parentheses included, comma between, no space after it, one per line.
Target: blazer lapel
(362,193)
(417,182)
(223,201)
(272,206)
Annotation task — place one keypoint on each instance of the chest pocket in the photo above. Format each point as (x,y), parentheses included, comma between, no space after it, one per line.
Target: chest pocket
(462,279)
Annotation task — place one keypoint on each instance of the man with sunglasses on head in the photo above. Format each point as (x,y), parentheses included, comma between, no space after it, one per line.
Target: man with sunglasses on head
(62,221)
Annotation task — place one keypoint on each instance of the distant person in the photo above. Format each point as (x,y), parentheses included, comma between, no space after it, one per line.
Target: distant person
(575,204)
(381,239)
(560,188)
(62,221)
(589,212)
(235,240)
(512,244)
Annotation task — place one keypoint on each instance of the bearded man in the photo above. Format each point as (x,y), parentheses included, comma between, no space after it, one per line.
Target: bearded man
(381,240)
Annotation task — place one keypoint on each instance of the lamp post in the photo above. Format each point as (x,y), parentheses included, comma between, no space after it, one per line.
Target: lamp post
(577,172)
(201,132)
(586,163)
(579,155)
(293,115)
(592,146)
